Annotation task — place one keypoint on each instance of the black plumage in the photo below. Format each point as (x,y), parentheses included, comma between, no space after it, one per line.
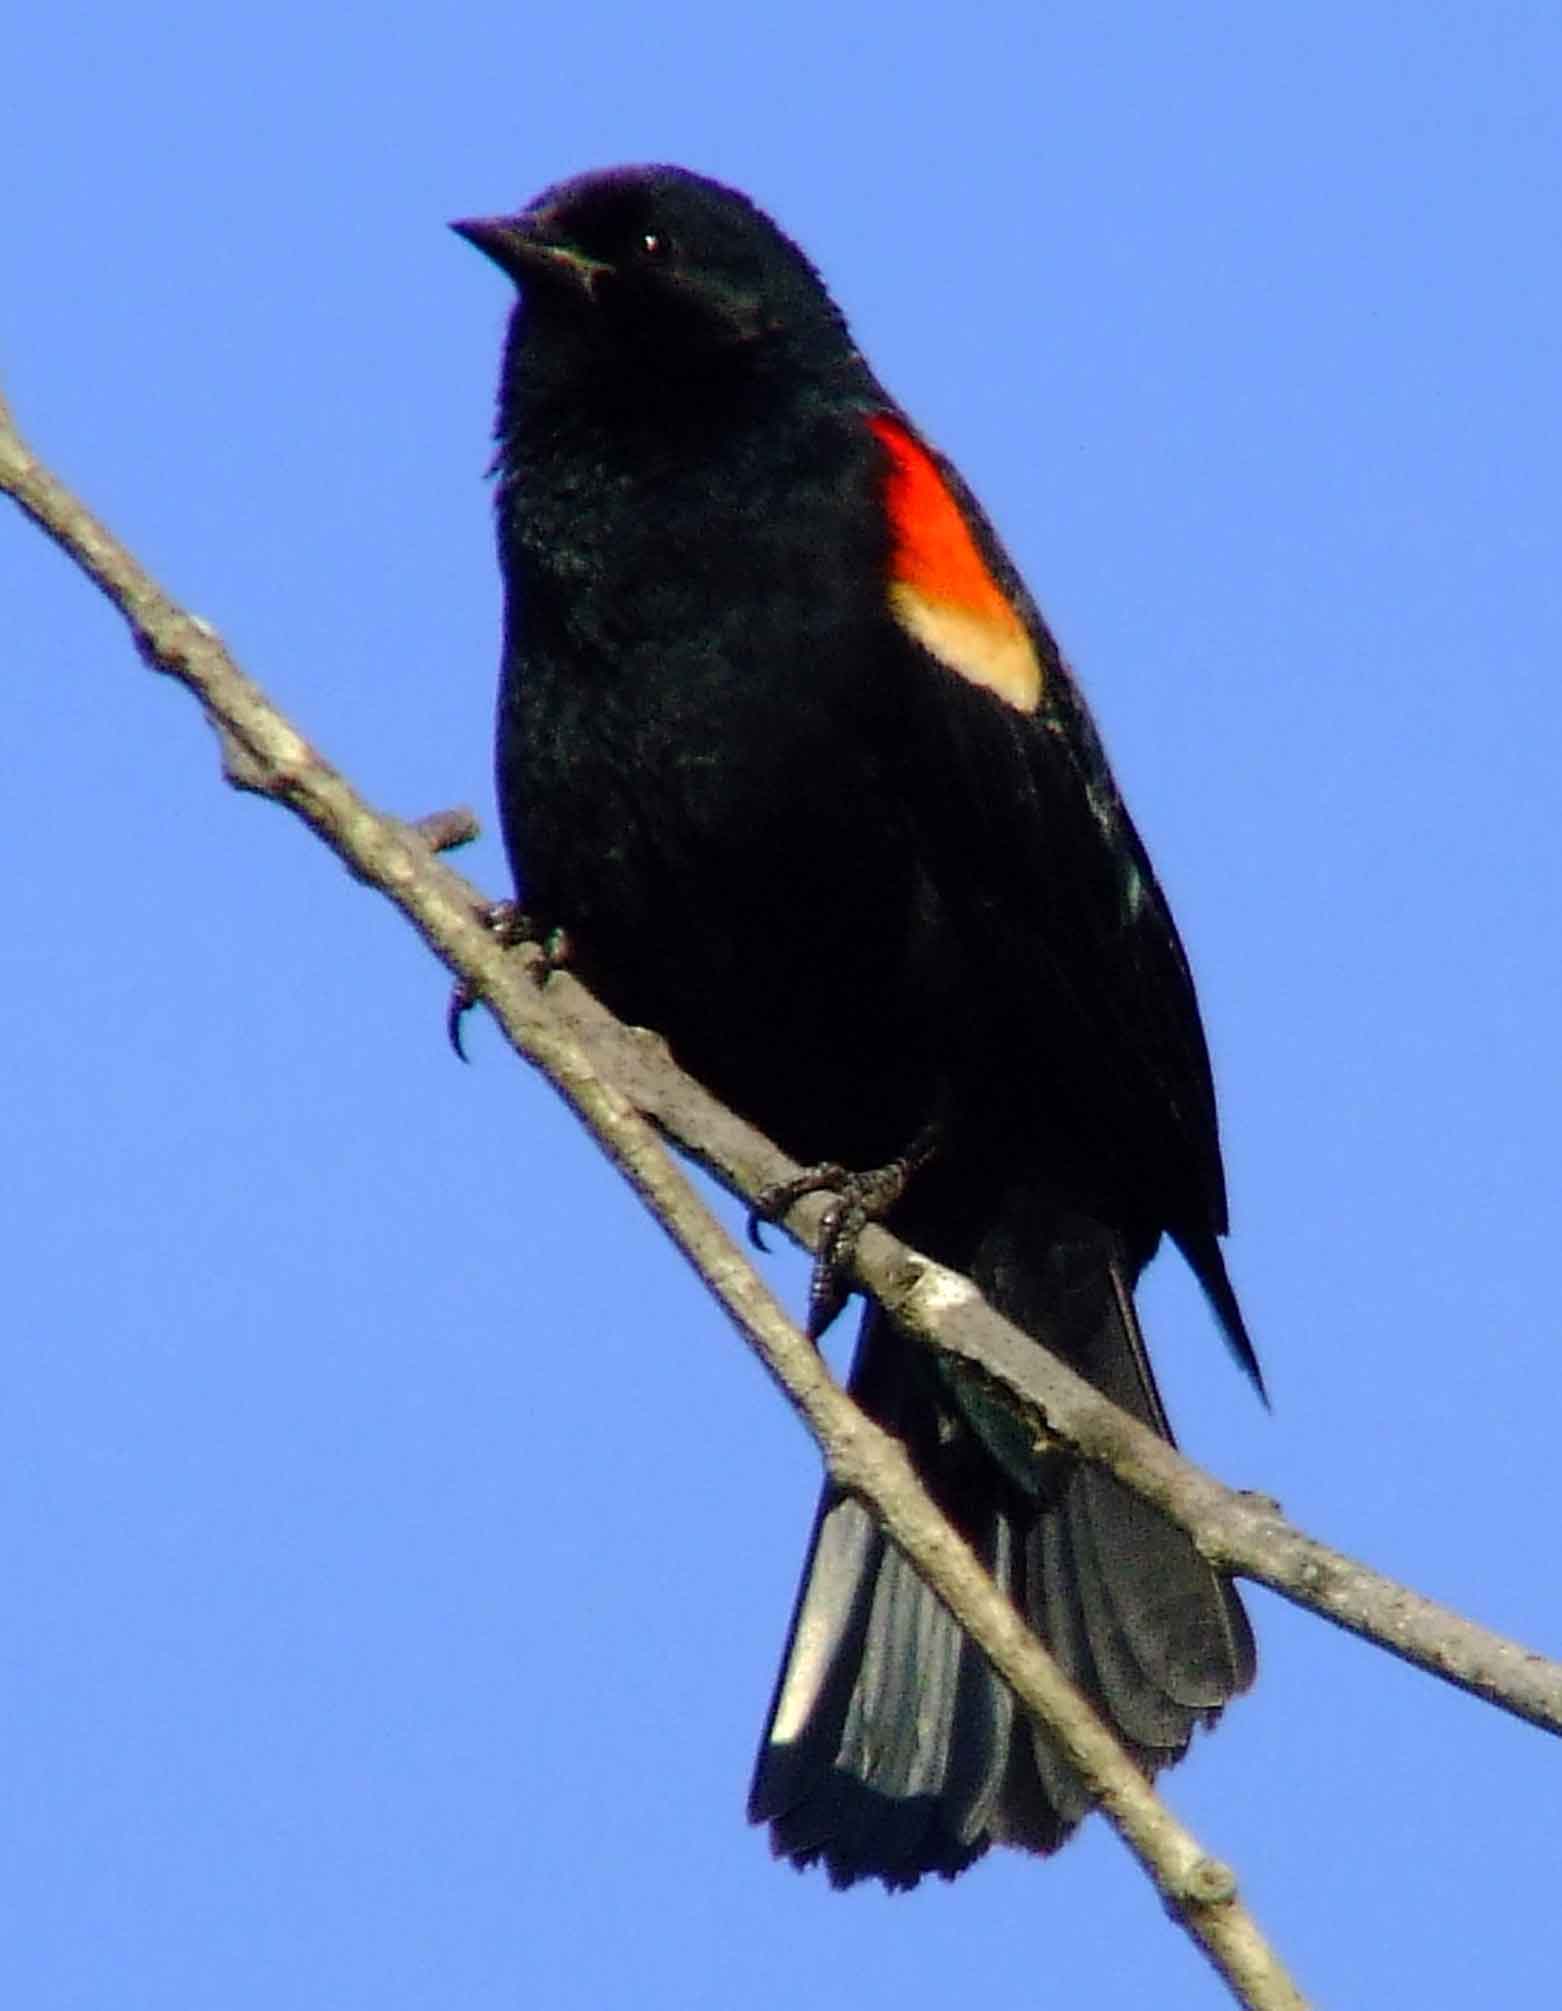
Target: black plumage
(788,751)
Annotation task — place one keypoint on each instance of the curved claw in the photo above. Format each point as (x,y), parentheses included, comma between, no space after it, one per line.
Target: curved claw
(860,1198)
(774,1201)
(827,1287)
(462,1000)
(508,923)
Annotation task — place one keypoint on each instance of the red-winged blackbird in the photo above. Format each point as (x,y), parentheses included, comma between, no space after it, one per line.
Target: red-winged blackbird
(786,748)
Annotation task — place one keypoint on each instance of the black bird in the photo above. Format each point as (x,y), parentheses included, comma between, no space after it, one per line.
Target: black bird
(786,748)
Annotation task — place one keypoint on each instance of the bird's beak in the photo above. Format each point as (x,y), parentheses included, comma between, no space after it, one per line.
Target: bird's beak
(524,247)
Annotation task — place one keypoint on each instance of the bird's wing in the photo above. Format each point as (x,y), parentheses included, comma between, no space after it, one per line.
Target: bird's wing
(1038,863)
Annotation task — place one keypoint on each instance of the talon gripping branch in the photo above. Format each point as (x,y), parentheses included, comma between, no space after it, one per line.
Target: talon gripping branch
(788,750)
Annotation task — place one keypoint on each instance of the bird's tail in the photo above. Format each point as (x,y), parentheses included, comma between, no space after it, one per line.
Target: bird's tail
(891,1749)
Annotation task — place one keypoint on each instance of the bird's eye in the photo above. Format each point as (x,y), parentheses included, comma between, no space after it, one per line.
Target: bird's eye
(654,245)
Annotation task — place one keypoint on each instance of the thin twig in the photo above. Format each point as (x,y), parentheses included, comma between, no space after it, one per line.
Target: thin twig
(1239,1532)
(445,830)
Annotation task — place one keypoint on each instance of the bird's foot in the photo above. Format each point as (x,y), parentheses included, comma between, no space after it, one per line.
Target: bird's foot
(861,1197)
(510,925)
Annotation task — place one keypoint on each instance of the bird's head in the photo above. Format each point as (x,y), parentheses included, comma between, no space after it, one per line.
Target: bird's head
(662,273)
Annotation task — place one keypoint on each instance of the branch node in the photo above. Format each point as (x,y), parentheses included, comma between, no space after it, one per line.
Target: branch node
(1207,1882)
(445,830)
(242,768)
(936,1293)
(651,1045)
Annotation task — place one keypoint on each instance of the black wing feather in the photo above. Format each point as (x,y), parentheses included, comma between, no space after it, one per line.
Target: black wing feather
(1038,862)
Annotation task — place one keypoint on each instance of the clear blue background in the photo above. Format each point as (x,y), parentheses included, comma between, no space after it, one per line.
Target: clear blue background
(396,1549)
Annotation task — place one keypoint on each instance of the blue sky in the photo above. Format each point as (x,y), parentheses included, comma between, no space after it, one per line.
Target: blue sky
(381,1626)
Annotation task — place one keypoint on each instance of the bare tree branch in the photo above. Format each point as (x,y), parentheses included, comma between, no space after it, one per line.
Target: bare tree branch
(1243,1533)
(616,1079)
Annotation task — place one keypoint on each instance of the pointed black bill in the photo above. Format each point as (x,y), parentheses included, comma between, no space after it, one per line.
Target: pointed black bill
(522,247)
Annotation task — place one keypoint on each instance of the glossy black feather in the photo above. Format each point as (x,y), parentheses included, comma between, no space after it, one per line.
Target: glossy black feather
(857,892)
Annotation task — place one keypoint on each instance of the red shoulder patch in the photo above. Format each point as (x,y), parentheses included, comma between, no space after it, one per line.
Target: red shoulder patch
(941,589)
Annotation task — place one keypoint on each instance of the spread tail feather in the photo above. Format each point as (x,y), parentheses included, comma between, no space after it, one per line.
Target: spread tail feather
(891,1750)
